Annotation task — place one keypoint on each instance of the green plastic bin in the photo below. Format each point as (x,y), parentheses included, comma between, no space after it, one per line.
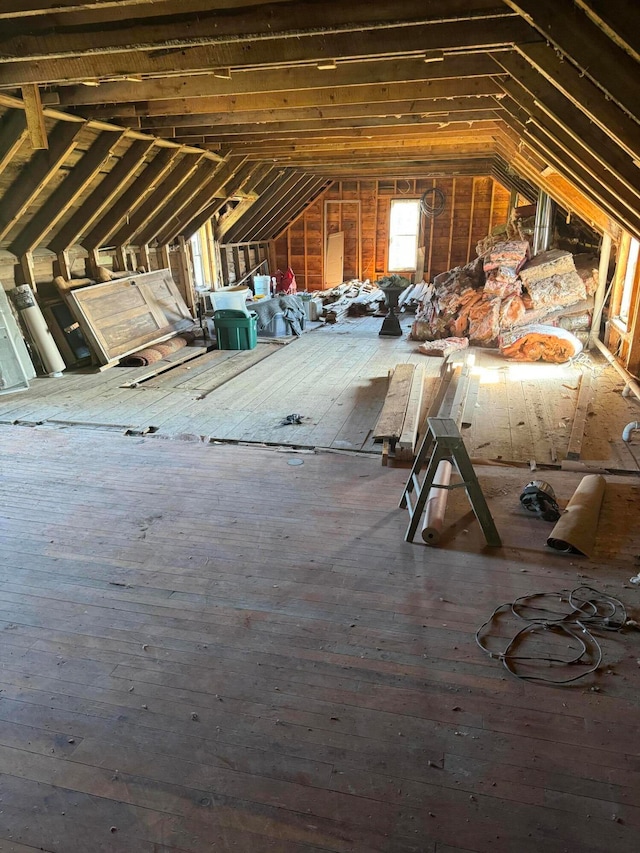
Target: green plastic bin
(234,330)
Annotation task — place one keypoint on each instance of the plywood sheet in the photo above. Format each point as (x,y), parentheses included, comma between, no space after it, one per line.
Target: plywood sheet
(122,316)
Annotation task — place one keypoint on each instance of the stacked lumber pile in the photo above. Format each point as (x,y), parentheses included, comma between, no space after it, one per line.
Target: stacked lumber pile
(402,413)
(411,298)
(504,290)
(412,397)
(352,299)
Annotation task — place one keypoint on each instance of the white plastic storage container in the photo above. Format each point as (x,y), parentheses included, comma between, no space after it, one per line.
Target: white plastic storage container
(230,298)
(261,284)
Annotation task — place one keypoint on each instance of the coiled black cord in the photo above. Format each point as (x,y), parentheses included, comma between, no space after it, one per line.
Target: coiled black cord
(589,609)
(436,207)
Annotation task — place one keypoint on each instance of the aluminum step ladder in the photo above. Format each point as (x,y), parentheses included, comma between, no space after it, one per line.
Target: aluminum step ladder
(442,441)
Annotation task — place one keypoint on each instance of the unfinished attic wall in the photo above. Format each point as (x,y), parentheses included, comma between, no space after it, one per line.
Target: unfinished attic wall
(473,205)
(239,261)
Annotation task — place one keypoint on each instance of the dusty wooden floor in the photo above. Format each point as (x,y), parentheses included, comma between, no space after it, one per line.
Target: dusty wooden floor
(337,378)
(205,647)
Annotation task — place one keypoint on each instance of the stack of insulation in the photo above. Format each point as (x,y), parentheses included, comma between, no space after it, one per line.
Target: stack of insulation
(504,290)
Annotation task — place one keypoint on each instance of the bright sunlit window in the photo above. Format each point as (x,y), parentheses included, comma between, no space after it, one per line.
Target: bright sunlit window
(198,261)
(404,222)
(629,279)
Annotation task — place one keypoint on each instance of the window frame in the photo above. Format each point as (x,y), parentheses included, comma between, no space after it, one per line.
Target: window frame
(415,200)
(628,285)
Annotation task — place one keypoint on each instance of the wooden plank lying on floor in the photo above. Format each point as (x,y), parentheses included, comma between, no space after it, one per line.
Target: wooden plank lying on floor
(471,402)
(393,412)
(174,379)
(233,367)
(143,374)
(585,396)
(409,437)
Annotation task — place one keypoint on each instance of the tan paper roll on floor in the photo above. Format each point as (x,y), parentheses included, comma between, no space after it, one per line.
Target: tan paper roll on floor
(575,532)
(436,505)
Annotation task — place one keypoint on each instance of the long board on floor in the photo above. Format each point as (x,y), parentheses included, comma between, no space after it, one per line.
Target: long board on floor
(391,420)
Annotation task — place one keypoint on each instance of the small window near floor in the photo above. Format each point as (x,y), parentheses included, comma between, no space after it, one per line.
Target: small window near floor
(629,281)
(404,222)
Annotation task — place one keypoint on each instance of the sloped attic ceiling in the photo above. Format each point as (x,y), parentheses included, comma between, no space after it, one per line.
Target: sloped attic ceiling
(287,95)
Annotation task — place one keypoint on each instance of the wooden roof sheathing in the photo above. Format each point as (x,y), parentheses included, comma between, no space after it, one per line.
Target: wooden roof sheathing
(315,91)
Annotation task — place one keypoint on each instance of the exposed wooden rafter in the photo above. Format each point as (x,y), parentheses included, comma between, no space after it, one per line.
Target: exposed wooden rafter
(36,175)
(66,194)
(144,184)
(240,110)
(276,53)
(585,44)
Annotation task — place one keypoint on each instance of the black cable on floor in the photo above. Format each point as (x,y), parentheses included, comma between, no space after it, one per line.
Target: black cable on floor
(588,610)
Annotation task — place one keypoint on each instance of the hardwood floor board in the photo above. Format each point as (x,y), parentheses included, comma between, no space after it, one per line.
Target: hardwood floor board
(185,372)
(287,732)
(616,785)
(369,661)
(446,848)
(105,572)
(136,828)
(141,599)
(132,591)
(12,847)
(20,735)
(189,746)
(498,772)
(190,813)
(335,362)
(214,577)
(486,823)
(342,703)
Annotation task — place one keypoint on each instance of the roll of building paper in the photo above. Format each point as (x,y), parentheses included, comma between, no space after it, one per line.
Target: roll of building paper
(436,504)
(41,336)
(575,532)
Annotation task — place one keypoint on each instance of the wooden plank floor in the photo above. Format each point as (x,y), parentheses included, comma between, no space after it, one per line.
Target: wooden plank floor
(208,648)
(337,378)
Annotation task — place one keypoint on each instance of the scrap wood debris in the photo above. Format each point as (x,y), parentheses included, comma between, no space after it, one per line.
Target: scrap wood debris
(353,299)
(503,290)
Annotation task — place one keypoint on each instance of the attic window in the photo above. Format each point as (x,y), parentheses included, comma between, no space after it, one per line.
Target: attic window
(629,280)
(404,222)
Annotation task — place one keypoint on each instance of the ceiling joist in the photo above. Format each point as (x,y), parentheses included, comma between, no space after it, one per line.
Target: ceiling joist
(246,110)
